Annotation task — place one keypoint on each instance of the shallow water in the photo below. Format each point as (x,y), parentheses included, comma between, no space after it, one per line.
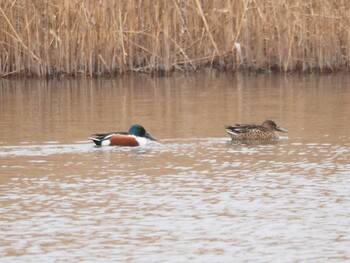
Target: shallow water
(193,197)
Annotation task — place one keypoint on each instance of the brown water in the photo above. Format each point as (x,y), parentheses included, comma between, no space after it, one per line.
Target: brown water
(193,197)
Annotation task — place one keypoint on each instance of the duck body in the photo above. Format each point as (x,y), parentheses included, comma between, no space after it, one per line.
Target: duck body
(136,136)
(267,131)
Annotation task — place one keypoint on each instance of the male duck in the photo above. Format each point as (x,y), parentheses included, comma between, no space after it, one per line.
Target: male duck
(266,131)
(136,136)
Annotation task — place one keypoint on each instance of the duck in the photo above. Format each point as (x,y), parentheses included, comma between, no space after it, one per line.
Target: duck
(136,136)
(266,131)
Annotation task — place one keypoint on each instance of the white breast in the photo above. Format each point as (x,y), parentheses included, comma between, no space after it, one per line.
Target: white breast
(142,140)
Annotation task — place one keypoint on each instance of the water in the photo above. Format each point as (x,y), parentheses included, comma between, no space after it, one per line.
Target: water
(193,197)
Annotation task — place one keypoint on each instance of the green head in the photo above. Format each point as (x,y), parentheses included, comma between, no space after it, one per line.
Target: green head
(139,131)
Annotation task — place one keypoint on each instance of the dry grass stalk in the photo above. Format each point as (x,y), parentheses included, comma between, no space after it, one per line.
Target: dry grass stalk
(88,37)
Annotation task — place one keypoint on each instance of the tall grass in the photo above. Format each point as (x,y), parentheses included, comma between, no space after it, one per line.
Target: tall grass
(94,37)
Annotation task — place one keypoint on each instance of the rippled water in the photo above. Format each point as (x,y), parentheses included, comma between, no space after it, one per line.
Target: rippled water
(193,197)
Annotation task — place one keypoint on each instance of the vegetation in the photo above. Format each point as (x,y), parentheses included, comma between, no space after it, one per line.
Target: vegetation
(95,37)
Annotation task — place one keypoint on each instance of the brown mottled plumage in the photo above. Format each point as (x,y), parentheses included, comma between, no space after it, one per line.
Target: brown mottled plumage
(266,131)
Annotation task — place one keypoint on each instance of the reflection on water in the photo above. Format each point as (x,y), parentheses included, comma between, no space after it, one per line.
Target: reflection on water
(193,197)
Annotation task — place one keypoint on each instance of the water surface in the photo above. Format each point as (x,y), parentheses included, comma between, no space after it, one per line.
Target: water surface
(193,197)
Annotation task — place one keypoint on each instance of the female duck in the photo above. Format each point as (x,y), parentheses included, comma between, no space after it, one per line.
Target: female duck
(267,131)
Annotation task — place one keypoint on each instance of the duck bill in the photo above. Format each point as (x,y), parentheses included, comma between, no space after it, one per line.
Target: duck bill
(281,129)
(149,136)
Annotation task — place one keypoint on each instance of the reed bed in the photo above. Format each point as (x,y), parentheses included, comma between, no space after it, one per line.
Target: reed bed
(97,37)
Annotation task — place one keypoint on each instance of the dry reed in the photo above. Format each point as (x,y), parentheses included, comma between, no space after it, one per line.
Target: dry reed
(95,37)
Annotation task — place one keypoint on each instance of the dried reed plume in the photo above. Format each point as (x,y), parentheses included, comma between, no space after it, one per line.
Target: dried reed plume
(95,37)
